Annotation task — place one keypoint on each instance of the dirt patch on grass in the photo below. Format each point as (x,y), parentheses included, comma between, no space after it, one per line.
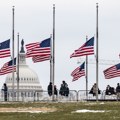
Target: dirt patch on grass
(29,109)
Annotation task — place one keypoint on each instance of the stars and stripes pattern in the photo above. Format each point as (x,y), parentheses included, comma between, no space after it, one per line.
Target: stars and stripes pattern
(8,67)
(31,46)
(86,49)
(39,51)
(5,49)
(112,72)
(41,58)
(78,72)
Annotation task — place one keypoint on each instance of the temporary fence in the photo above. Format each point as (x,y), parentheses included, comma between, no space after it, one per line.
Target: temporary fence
(81,95)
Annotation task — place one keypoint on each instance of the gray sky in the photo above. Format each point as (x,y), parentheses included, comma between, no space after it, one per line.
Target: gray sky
(74,20)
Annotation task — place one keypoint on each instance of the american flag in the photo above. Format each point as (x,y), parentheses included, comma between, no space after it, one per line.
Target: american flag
(41,58)
(31,46)
(5,49)
(78,72)
(112,72)
(8,67)
(86,49)
(39,49)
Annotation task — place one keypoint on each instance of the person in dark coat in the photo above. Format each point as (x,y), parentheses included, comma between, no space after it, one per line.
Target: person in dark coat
(67,91)
(118,91)
(5,89)
(50,89)
(64,90)
(61,92)
(107,91)
(55,90)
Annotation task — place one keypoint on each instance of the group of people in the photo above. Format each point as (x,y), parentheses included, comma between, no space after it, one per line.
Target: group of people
(50,89)
(111,90)
(64,89)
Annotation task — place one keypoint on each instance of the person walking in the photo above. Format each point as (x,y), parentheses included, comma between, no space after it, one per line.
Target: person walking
(5,89)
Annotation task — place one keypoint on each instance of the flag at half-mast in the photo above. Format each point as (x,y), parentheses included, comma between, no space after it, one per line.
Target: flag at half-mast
(8,67)
(78,72)
(112,72)
(39,51)
(85,49)
(41,58)
(5,49)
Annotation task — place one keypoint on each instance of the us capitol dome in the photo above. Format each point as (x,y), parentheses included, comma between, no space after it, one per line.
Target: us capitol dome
(28,79)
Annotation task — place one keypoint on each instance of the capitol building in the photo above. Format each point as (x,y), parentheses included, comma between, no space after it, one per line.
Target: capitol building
(28,79)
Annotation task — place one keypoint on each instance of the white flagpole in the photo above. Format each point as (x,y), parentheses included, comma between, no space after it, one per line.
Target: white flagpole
(53,56)
(97,52)
(18,70)
(13,52)
(86,73)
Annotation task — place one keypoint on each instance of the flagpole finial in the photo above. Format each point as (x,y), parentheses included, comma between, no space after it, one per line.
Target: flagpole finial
(86,37)
(53,5)
(97,4)
(13,7)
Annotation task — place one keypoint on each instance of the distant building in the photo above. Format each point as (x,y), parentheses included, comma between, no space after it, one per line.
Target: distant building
(28,79)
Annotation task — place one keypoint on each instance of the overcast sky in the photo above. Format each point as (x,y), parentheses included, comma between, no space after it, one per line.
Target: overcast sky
(74,20)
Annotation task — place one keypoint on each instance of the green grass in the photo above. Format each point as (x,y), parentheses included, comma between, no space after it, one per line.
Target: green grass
(65,111)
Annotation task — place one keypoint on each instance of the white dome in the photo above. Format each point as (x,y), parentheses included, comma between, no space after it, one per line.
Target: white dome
(24,72)
(28,79)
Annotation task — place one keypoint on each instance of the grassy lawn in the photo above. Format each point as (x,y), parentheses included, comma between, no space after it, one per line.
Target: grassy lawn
(64,111)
